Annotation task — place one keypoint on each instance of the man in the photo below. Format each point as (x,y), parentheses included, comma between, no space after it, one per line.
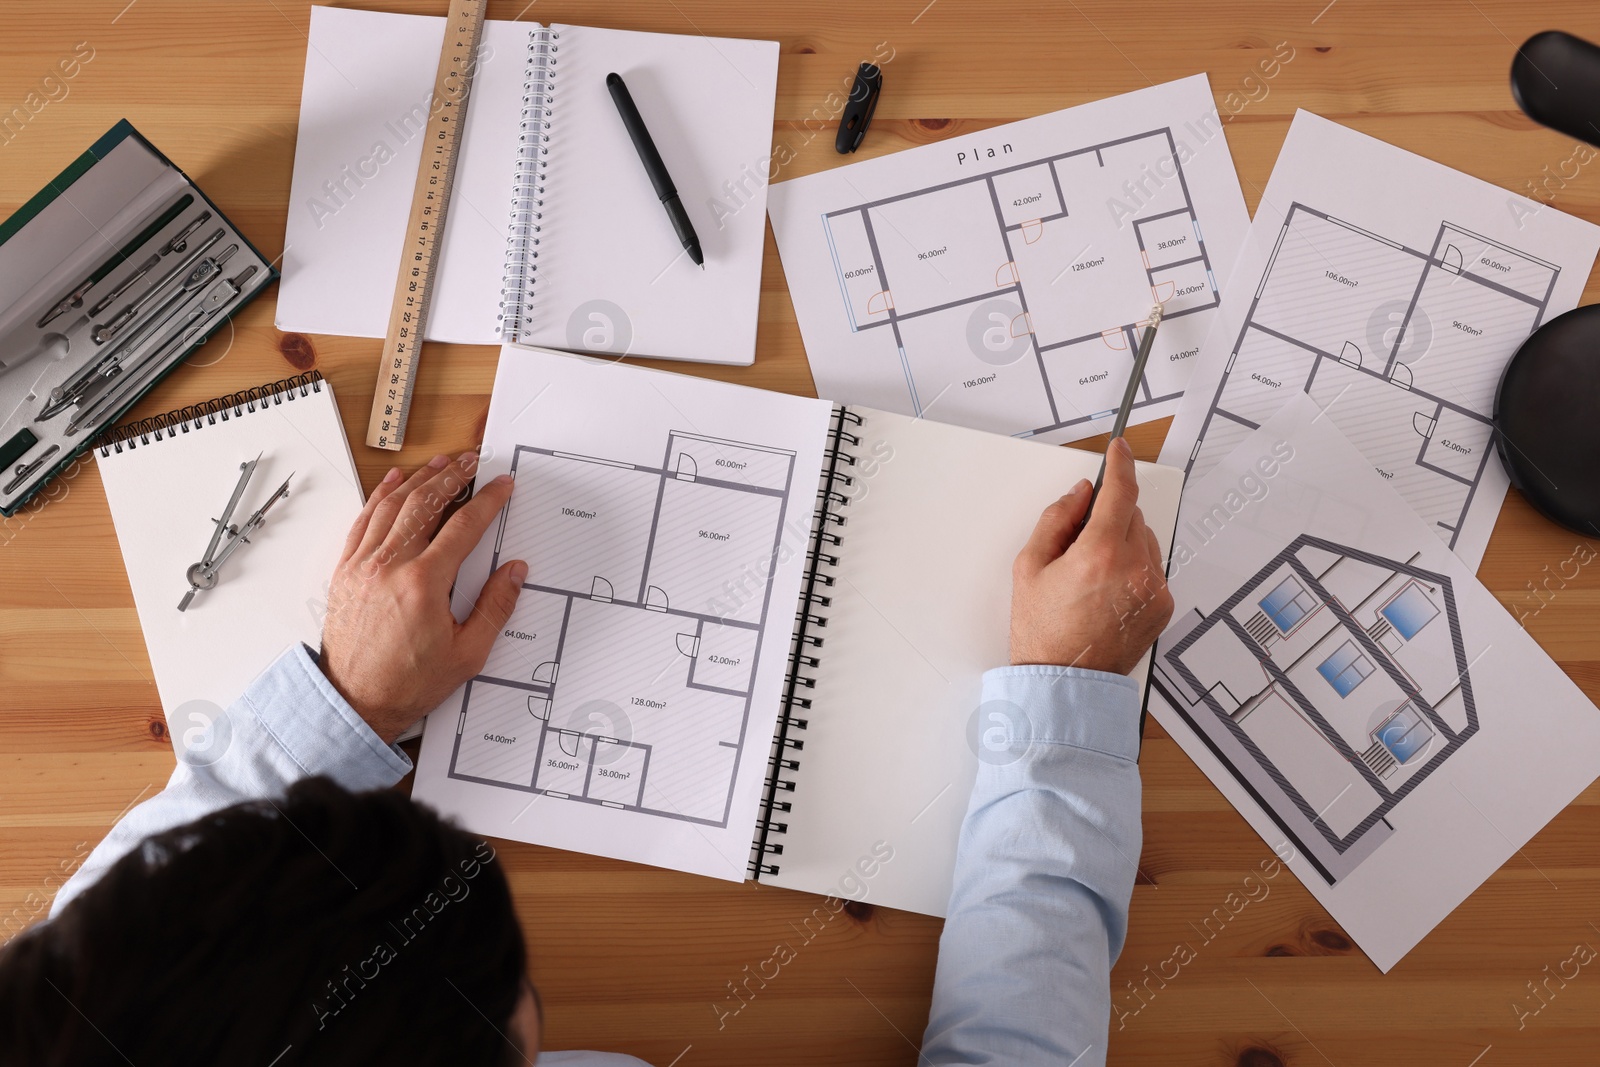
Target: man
(278,904)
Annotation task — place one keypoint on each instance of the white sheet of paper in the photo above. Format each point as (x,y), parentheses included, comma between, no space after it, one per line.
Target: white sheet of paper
(1000,280)
(1353,690)
(628,707)
(1392,290)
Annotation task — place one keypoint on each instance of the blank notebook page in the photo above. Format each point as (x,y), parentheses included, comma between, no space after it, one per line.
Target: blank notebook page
(920,609)
(605,245)
(708,105)
(163,495)
(368,83)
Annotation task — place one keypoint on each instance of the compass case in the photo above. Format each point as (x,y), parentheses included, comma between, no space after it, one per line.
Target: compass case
(109,278)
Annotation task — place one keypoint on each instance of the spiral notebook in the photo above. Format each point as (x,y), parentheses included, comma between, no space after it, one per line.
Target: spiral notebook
(168,477)
(554,235)
(752,637)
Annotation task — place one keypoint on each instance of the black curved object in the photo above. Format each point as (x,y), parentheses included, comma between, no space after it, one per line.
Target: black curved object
(1547,419)
(1555,79)
(1547,408)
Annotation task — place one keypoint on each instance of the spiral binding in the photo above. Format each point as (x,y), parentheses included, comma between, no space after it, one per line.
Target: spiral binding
(527,201)
(810,617)
(207,413)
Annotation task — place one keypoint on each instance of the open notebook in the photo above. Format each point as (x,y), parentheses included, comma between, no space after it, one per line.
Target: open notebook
(168,477)
(554,235)
(752,636)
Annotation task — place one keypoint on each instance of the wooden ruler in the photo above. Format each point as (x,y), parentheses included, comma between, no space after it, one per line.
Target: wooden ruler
(419,258)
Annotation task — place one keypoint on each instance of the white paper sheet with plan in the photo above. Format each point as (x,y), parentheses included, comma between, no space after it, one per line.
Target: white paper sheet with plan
(1392,290)
(998,280)
(1367,705)
(628,707)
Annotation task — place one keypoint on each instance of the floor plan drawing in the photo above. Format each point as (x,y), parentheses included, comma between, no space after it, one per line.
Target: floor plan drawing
(1392,291)
(624,677)
(1062,283)
(1001,279)
(1332,684)
(1403,346)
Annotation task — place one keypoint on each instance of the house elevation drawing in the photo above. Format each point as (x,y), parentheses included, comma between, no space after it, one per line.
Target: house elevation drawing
(623,678)
(1011,299)
(1331,684)
(1402,347)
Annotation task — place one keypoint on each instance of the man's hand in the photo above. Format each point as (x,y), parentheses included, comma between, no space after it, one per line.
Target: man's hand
(390,645)
(1097,597)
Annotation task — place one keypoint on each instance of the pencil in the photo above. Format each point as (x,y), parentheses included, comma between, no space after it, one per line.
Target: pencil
(1134,378)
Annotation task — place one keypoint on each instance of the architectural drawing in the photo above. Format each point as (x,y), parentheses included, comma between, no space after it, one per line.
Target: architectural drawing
(623,678)
(1012,298)
(1331,684)
(1404,348)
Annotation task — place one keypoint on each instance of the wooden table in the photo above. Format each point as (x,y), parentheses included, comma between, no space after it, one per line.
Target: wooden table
(633,959)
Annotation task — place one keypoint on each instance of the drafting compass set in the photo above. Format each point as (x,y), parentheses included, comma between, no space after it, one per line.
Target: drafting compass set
(108,280)
(227,537)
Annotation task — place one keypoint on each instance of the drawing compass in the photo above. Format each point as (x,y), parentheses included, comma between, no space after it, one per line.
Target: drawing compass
(226,537)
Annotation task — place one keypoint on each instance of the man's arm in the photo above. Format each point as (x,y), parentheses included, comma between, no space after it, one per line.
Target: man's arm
(289,724)
(1043,875)
(391,652)
(1050,845)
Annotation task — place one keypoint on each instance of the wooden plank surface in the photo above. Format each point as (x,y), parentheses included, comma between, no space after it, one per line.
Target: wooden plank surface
(639,960)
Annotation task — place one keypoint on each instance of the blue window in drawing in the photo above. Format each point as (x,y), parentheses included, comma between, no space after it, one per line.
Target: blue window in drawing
(1345,669)
(1410,611)
(1405,733)
(1287,604)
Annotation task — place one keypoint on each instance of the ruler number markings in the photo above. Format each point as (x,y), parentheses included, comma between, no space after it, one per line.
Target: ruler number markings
(430,201)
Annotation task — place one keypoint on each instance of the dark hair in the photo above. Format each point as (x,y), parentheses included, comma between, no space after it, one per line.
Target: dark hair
(323,928)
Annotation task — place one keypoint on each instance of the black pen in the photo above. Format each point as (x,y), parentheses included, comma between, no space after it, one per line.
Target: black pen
(653,166)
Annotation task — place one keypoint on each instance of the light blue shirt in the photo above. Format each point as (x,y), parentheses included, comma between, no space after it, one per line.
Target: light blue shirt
(1044,869)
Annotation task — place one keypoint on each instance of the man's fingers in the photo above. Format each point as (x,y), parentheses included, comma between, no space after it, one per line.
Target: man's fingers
(425,506)
(388,509)
(490,613)
(1055,530)
(468,525)
(1119,493)
(358,529)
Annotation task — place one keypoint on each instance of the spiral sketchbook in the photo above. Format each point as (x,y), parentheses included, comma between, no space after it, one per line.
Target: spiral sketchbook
(168,477)
(752,635)
(554,235)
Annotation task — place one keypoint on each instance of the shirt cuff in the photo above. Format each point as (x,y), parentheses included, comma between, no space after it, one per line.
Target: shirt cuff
(296,704)
(1086,709)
